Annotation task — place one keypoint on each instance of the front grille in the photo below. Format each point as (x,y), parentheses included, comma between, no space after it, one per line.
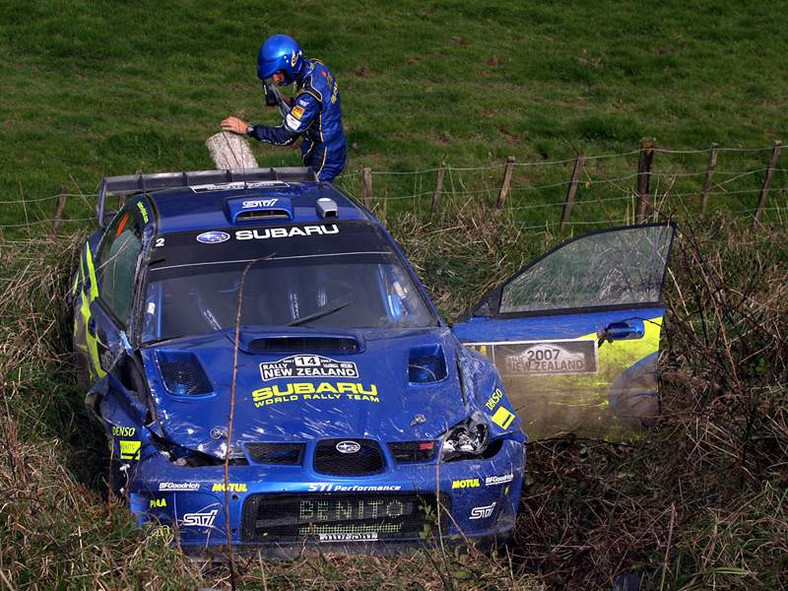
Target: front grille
(412,452)
(329,460)
(276,453)
(341,517)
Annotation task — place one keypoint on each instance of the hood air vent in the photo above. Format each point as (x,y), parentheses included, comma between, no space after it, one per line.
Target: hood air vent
(182,373)
(426,364)
(298,344)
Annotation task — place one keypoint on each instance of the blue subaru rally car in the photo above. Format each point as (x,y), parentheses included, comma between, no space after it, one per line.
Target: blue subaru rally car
(268,319)
(271,372)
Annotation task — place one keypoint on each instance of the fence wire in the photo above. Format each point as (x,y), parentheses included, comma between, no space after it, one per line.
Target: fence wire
(534,181)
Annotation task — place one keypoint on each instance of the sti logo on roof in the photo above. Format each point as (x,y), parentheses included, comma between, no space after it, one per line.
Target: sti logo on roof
(258,203)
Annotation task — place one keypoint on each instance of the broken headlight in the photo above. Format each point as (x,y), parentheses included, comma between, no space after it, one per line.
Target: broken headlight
(185,457)
(466,440)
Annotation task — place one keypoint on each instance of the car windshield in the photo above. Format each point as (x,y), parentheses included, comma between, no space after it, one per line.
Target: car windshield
(324,276)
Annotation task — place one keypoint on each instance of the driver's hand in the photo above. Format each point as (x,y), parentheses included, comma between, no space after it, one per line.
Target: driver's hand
(235,125)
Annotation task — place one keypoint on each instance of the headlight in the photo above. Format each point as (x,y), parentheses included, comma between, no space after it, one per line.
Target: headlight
(466,440)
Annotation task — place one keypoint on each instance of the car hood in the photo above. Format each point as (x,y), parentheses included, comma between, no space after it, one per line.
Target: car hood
(279,398)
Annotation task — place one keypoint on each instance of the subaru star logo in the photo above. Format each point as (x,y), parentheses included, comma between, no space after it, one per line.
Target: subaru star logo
(348,447)
(213,237)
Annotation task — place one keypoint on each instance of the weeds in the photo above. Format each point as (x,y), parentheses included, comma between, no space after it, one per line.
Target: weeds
(700,503)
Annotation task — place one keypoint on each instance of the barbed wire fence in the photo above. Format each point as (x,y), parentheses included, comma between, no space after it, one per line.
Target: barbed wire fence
(588,190)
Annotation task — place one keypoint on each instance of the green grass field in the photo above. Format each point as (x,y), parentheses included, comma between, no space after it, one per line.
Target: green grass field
(103,88)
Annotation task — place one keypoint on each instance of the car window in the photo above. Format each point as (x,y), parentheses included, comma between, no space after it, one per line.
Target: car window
(347,275)
(612,268)
(118,264)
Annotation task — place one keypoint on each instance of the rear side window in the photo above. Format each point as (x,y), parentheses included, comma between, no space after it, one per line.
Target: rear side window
(117,265)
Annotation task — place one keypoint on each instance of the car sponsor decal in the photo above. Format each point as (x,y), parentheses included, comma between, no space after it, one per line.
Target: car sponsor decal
(313,512)
(266,233)
(250,203)
(503,417)
(292,123)
(494,399)
(157,503)
(482,512)
(203,519)
(352,537)
(213,237)
(466,483)
(238,185)
(539,358)
(308,366)
(143,212)
(129,450)
(333,487)
(294,391)
(123,431)
(178,486)
(231,487)
(495,480)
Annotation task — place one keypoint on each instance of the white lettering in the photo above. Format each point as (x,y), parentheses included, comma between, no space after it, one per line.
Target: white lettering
(259,203)
(199,519)
(286,232)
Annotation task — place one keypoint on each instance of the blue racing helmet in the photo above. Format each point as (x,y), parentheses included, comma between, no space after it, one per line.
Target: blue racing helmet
(280,53)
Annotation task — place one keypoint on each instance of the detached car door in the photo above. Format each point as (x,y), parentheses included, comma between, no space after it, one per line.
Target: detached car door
(575,334)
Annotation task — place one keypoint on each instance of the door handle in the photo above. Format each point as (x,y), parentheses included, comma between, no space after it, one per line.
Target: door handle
(623,331)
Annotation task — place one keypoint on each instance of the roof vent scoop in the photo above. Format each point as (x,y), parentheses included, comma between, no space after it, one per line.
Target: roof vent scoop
(326,208)
(262,207)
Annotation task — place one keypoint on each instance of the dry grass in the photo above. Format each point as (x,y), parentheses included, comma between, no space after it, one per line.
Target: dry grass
(59,528)
(699,504)
(702,502)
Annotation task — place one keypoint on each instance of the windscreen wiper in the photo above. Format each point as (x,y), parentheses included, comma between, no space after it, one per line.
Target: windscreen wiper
(320,313)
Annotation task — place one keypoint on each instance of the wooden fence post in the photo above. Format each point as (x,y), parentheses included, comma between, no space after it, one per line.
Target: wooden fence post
(715,147)
(367,179)
(436,196)
(572,191)
(767,181)
(507,180)
(61,203)
(644,177)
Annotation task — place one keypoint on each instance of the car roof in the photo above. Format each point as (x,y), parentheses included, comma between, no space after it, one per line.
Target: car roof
(219,205)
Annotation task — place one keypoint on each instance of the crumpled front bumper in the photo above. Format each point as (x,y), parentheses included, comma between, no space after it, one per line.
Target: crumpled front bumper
(466,499)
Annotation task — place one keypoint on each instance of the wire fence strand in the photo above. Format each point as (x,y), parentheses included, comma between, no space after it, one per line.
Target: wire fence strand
(464,182)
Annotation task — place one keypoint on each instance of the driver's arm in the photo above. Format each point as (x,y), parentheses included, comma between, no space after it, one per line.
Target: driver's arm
(305,111)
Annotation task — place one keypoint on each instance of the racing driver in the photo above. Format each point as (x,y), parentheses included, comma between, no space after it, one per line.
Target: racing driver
(314,113)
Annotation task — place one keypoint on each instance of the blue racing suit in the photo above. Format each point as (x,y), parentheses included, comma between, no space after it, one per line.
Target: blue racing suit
(316,114)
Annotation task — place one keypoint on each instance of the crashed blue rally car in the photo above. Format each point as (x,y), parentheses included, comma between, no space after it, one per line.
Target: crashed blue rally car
(359,420)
